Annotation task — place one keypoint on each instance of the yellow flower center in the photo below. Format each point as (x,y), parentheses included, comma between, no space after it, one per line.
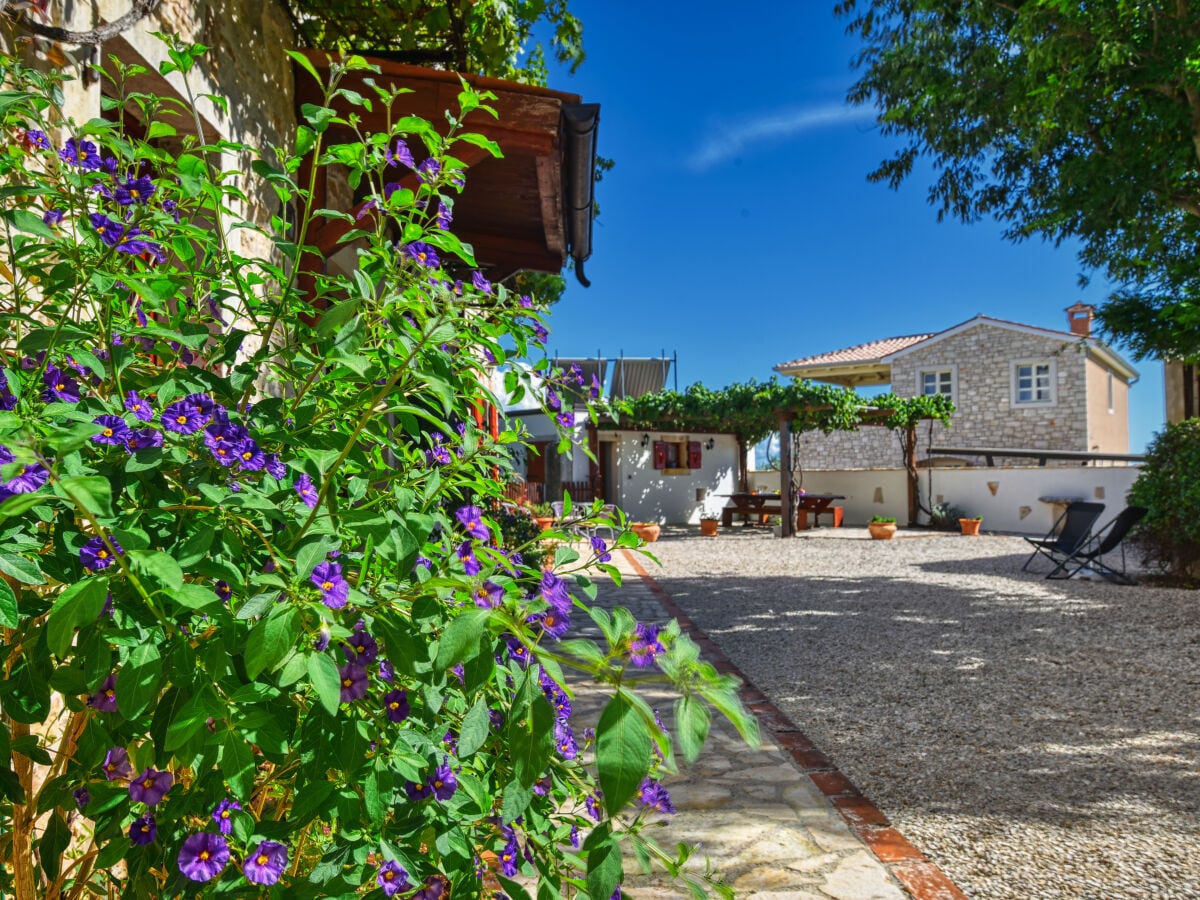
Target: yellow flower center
(346,682)
(107,432)
(181,420)
(203,857)
(262,859)
(327,585)
(101,554)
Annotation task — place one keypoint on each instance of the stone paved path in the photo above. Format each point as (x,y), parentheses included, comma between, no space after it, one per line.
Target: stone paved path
(764,822)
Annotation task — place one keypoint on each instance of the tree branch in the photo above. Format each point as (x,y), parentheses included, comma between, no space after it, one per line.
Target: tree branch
(139,11)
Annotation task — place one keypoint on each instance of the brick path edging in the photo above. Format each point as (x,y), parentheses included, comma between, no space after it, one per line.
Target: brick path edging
(922,879)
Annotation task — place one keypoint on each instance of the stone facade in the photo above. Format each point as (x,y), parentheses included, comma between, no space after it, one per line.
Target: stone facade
(980,362)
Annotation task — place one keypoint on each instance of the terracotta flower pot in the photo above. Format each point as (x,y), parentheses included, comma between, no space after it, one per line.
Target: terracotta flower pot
(970,526)
(882,531)
(647,531)
(708,527)
(544,522)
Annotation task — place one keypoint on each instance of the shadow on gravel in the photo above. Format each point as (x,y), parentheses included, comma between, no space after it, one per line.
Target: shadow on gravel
(1017,697)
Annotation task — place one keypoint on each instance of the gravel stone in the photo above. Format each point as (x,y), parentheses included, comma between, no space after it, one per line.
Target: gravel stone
(1033,738)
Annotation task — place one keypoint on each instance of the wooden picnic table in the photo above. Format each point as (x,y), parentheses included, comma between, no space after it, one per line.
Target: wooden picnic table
(816,504)
(747,504)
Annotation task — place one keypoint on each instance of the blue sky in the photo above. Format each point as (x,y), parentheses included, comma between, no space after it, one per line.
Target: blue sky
(738,229)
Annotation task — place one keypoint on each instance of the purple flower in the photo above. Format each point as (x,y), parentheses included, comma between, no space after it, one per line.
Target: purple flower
(553,623)
(250,456)
(552,400)
(392,878)
(53,216)
(223,815)
(574,836)
(481,283)
(134,190)
(600,548)
(594,390)
(653,795)
(334,588)
(95,554)
(275,467)
(143,439)
(150,787)
(60,387)
(645,645)
(437,456)
(203,856)
(111,232)
(266,864)
(510,858)
(471,518)
(321,644)
(565,419)
(27,480)
(525,301)
(443,784)
(416,791)
(139,407)
(488,595)
(540,333)
(307,490)
(78,152)
(361,648)
(466,553)
(593,806)
(354,682)
(183,417)
(395,704)
(115,430)
(428,170)
(444,216)
(37,138)
(116,763)
(387,672)
(143,830)
(423,254)
(554,591)
(403,156)
(564,741)
(82,797)
(223,590)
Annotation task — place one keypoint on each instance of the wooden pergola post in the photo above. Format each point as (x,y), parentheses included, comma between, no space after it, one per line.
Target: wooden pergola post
(910,471)
(785,474)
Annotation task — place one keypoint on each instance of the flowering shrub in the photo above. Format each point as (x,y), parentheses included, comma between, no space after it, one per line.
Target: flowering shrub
(261,626)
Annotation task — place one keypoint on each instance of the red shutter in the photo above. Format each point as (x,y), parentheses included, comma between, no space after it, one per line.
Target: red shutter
(694,455)
(660,455)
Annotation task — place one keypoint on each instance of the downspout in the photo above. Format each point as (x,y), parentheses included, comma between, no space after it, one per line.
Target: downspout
(579,124)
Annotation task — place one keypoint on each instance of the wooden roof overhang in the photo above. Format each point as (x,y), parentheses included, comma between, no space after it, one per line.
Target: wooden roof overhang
(848,374)
(530,209)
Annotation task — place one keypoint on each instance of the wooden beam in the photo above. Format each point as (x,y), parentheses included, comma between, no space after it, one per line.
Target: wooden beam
(785,475)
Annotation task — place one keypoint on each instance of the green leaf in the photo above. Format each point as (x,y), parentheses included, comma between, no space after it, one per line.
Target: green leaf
(271,639)
(692,720)
(377,794)
(55,839)
(139,680)
(514,890)
(531,740)
(159,567)
(24,220)
(23,570)
(305,63)
(91,492)
(191,718)
(515,800)
(311,553)
(19,503)
(460,640)
(8,606)
(78,605)
(622,752)
(323,673)
(476,725)
(318,117)
(237,765)
(604,870)
(195,597)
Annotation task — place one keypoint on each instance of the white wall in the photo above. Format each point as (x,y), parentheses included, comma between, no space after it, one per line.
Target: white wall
(648,495)
(1006,497)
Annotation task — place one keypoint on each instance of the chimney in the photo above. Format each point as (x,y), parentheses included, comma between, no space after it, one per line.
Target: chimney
(1079,317)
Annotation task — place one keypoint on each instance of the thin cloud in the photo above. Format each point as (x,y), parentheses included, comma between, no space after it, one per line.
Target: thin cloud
(774,127)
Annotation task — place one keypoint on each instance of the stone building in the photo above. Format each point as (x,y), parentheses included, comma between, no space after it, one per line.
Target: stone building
(1014,386)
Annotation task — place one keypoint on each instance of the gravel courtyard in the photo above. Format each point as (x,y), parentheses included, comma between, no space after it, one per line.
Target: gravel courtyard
(1034,738)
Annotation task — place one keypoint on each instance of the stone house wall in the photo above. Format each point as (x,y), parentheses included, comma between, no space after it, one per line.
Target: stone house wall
(981,360)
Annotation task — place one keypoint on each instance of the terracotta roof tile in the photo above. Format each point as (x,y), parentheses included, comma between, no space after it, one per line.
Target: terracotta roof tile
(869,352)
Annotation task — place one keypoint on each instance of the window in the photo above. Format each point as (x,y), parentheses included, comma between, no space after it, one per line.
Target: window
(937,381)
(677,457)
(1033,383)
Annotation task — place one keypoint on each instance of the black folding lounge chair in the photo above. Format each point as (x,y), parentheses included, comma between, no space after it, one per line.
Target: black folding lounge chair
(1069,534)
(1109,538)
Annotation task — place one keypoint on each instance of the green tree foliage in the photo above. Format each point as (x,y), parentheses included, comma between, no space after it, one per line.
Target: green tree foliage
(751,410)
(486,37)
(1059,119)
(1169,487)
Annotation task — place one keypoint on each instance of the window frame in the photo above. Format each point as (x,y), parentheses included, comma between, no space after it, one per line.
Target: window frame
(1051,378)
(951,370)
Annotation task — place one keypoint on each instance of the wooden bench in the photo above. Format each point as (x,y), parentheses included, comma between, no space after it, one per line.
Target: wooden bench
(834,512)
(758,507)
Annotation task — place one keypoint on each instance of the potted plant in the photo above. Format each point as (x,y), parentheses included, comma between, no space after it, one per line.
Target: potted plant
(708,524)
(882,528)
(543,514)
(647,531)
(970,525)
